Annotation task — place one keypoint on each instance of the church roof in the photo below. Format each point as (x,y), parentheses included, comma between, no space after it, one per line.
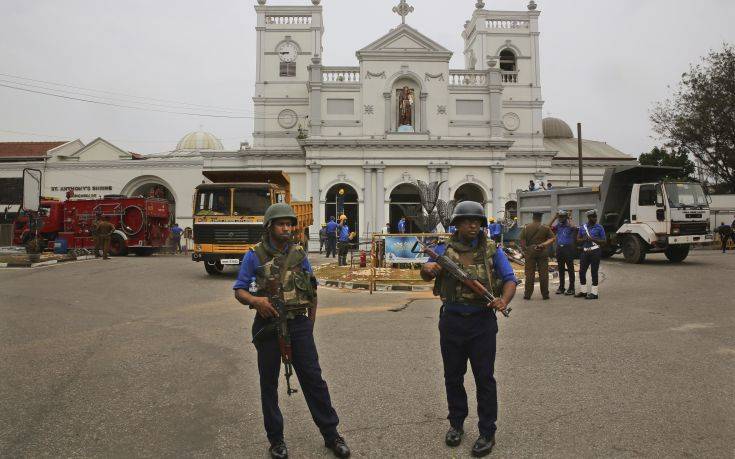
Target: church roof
(404,43)
(30,150)
(555,128)
(199,140)
(591,149)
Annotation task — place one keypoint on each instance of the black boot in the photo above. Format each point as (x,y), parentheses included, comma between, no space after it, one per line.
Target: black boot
(560,290)
(453,437)
(483,446)
(570,292)
(338,446)
(278,450)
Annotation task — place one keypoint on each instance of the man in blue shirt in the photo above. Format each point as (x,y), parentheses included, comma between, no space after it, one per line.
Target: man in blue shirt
(332,237)
(343,235)
(496,229)
(592,236)
(276,250)
(468,325)
(566,248)
(176,232)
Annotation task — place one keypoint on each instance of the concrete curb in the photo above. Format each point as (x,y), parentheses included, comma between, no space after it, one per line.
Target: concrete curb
(28,264)
(396,287)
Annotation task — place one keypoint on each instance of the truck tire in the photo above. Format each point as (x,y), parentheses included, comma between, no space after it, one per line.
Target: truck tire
(634,250)
(677,253)
(214,269)
(118,248)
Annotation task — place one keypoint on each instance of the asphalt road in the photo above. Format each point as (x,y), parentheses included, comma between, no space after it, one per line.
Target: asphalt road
(143,357)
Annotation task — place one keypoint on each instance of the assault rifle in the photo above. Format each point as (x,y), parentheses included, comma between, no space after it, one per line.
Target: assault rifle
(455,271)
(275,295)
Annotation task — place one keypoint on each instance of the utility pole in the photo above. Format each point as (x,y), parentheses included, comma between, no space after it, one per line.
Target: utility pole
(579,150)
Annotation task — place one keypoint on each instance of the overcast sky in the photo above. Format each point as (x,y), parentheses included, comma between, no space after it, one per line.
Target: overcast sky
(604,63)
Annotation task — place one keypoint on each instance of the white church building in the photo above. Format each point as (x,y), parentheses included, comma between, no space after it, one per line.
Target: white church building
(369,131)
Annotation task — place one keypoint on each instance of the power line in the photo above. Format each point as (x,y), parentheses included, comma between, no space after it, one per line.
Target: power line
(67,137)
(79,99)
(117,93)
(76,93)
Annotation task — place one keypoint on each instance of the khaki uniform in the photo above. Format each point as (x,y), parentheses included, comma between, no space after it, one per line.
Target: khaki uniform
(533,234)
(103,234)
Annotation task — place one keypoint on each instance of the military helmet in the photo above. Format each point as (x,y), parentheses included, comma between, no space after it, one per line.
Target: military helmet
(563,213)
(468,209)
(276,211)
(592,212)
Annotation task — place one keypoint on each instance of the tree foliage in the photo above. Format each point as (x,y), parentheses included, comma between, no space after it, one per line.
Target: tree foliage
(662,157)
(699,119)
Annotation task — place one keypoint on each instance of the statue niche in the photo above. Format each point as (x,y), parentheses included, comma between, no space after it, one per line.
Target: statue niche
(406,109)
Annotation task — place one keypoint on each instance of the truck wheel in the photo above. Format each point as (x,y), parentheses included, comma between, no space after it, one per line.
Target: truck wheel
(677,253)
(214,269)
(118,248)
(633,250)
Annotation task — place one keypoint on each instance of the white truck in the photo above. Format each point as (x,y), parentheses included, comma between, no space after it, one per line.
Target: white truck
(641,213)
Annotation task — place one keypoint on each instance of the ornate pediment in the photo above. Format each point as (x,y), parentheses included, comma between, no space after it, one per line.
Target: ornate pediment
(404,42)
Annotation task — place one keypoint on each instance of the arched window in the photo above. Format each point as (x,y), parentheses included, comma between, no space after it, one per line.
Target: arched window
(507,60)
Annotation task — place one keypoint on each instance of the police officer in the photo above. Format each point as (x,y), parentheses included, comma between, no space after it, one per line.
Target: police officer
(566,247)
(299,286)
(467,324)
(592,236)
(535,239)
(343,238)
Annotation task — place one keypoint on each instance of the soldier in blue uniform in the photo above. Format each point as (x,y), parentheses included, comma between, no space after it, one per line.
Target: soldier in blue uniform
(566,248)
(592,236)
(468,325)
(299,292)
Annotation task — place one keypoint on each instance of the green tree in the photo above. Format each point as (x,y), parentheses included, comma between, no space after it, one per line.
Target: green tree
(699,119)
(662,157)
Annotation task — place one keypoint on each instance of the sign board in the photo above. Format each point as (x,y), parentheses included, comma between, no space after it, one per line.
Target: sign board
(31,190)
(398,250)
(11,190)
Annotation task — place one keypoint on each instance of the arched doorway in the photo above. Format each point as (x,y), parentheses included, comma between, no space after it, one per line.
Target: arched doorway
(469,192)
(511,209)
(342,199)
(152,186)
(405,201)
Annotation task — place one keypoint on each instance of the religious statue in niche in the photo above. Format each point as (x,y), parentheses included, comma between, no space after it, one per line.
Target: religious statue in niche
(406,102)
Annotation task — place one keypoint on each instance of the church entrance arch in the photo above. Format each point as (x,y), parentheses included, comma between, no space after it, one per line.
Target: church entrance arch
(152,186)
(405,201)
(511,209)
(470,192)
(342,199)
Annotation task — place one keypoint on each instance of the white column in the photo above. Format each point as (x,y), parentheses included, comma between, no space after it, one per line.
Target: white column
(424,124)
(388,109)
(368,222)
(316,208)
(380,198)
(497,173)
(432,173)
(444,192)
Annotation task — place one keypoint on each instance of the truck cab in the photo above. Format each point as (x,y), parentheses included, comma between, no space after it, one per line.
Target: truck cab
(667,217)
(228,215)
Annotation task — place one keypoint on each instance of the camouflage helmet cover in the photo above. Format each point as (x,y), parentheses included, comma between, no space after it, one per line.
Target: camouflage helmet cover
(276,211)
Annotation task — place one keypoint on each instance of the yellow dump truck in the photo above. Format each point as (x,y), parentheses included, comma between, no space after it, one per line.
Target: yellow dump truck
(228,214)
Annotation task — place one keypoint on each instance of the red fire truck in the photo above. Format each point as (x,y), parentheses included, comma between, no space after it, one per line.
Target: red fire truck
(142,224)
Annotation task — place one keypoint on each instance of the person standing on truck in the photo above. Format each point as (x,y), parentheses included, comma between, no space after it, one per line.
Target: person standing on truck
(725,232)
(332,237)
(104,232)
(467,323)
(299,285)
(343,231)
(535,240)
(592,236)
(566,248)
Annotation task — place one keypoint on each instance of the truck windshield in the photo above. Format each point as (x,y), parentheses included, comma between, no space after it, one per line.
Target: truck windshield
(251,202)
(213,202)
(683,195)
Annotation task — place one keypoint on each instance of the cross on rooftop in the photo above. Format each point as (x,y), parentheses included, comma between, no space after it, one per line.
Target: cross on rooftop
(403,9)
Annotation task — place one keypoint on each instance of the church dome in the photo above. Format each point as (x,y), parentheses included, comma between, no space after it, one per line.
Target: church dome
(199,140)
(554,128)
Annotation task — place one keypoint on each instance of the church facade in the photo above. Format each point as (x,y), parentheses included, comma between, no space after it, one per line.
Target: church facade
(366,133)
